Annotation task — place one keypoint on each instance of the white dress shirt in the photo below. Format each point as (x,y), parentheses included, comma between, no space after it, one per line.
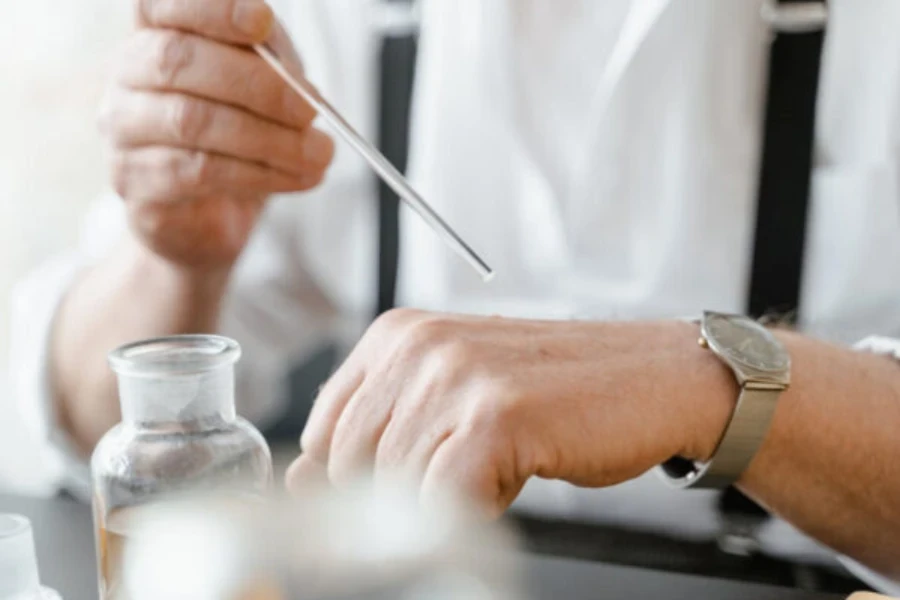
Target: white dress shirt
(602,156)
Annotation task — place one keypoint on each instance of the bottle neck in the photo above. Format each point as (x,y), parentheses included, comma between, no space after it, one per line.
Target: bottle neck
(178,398)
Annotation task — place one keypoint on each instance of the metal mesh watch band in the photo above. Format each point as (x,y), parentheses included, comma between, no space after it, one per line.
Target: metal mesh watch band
(743,436)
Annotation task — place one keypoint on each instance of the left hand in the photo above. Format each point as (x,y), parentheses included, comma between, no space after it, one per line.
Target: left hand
(480,405)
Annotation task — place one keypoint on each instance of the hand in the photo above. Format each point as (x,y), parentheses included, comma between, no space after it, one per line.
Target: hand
(480,405)
(203,131)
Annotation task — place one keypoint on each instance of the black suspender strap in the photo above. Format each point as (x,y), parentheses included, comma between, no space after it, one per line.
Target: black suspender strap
(787,155)
(398,62)
(784,187)
(785,173)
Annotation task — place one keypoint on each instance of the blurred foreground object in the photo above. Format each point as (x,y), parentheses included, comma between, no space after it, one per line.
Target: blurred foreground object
(364,542)
(179,434)
(19,579)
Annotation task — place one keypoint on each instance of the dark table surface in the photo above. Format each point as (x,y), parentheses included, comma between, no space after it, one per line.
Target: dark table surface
(65,549)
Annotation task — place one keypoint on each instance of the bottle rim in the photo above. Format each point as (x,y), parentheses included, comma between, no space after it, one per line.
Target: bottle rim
(13,526)
(175,355)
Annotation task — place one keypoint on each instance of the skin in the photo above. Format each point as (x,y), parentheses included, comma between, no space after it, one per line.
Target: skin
(480,405)
(203,133)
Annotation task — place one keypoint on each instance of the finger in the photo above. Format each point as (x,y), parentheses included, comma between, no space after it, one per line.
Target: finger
(413,434)
(305,473)
(327,409)
(158,173)
(359,429)
(375,346)
(233,21)
(164,119)
(401,454)
(465,467)
(175,61)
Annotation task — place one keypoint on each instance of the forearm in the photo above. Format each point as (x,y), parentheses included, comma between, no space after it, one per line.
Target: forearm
(829,464)
(131,295)
(496,401)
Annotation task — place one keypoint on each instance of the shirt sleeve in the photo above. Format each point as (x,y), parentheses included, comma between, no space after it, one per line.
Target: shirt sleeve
(305,277)
(883,346)
(273,308)
(33,306)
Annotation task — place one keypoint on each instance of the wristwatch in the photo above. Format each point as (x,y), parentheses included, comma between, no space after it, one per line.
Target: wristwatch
(762,367)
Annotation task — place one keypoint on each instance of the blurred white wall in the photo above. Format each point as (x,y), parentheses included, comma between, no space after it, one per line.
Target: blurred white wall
(55,57)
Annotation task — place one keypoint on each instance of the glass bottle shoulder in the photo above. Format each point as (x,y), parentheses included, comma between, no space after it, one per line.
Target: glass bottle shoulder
(166,457)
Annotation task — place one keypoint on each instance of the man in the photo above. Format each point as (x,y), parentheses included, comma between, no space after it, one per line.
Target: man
(603,156)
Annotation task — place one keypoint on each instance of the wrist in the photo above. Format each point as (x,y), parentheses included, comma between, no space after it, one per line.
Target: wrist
(708,395)
(718,394)
(193,293)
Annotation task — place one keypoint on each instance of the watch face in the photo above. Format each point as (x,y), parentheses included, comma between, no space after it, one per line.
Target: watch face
(746,342)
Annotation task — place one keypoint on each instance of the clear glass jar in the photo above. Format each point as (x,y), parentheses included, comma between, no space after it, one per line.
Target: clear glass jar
(179,434)
(19,578)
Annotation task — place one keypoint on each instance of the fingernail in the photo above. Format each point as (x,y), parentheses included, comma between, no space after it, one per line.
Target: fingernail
(253,18)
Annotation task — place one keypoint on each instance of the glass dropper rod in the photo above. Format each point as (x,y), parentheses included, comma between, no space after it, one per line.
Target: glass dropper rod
(379,163)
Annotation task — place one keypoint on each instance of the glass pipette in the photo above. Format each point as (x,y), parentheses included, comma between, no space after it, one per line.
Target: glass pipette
(381,165)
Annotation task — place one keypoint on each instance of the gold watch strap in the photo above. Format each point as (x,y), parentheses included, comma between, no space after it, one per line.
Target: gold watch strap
(744,435)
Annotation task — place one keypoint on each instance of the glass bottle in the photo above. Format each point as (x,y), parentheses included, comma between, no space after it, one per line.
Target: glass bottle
(179,434)
(19,578)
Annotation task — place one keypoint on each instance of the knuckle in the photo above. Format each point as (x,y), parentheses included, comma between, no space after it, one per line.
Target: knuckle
(174,52)
(496,409)
(256,80)
(455,355)
(189,119)
(104,119)
(489,420)
(141,9)
(433,349)
(194,170)
(121,174)
(111,114)
(105,124)
(392,322)
(431,333)
(148,220)
(146,11)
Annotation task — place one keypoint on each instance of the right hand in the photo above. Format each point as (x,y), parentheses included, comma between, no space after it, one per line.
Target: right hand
(204,131)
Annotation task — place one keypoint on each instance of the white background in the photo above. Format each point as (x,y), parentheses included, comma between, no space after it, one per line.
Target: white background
(55,58)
